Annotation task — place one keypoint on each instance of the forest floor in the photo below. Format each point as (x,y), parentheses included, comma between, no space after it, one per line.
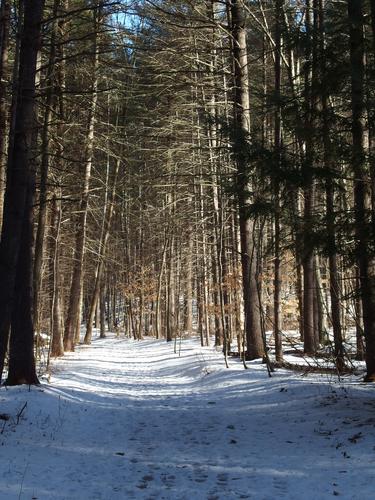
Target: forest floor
(122,419)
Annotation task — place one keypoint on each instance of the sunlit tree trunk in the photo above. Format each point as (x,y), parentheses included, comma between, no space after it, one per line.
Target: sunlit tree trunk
(56,313)
(249,252)
(5,12)
(44,167)
(73,315)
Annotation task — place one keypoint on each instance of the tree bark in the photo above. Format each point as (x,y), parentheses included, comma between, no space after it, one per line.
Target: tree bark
(278,144)
(4,50)
(72,321)
(44,168)
(249,254)
(17,230)
(56,318)
(362,195)
(329,164)
(310,338)
(188,317)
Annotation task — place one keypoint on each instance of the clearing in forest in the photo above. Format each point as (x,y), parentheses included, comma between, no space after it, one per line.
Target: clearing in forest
(123,419)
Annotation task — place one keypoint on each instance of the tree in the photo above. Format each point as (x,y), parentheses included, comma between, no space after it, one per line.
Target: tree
(5,12)
(17,231)
(249,251)
(362,195)
(73,317)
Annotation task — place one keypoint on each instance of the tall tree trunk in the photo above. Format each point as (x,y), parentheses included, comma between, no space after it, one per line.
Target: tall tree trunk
(102,311)
(4,331)
(72,321)
(4,49)
(44,168)
(21,345)
(17,230)
(158,322)
(310,340)
(249,254)
(188,318)
(278,143)
(171,295)
(366,262)
(56,314)
(329,164)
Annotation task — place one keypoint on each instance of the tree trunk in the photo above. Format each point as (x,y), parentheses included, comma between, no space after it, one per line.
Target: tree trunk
(102,253)
(102,311)
(158,321)
(362,196)
(56,314)
(44,168)
(171,295)
(329,164)
(310,338)
(72,321)
(278,144)
(21,345)
(17,221)
(249,254)
(4,49)
(188,318)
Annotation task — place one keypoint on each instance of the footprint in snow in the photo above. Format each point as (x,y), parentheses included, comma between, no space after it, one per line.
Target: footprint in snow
(222,478)
(168,480)
(148,477)
(280,485)
(200,476)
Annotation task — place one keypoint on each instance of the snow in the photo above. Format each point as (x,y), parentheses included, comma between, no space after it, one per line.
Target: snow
(123,419)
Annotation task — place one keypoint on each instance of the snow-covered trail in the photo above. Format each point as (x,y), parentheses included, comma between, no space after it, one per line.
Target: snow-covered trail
(123,419)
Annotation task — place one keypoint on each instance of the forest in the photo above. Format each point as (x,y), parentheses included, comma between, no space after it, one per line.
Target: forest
(187,251)
(176,168)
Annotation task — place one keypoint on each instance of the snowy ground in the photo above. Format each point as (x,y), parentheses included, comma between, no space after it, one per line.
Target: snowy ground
(124,419)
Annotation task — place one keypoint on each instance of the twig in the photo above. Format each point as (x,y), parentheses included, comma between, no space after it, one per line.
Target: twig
(19,414)
(23,478)
(4,424)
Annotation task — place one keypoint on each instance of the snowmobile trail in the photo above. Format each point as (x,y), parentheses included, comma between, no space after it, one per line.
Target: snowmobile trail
(122,419)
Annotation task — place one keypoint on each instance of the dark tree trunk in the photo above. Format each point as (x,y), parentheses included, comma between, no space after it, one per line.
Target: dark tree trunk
(362,196)
(44,169)
(278,143)
(4,331)
(310,341)
(21,345)
(249,253)
(17,210)
(329,164)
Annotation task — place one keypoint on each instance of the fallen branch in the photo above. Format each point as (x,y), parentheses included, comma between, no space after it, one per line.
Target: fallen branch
(310,368)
